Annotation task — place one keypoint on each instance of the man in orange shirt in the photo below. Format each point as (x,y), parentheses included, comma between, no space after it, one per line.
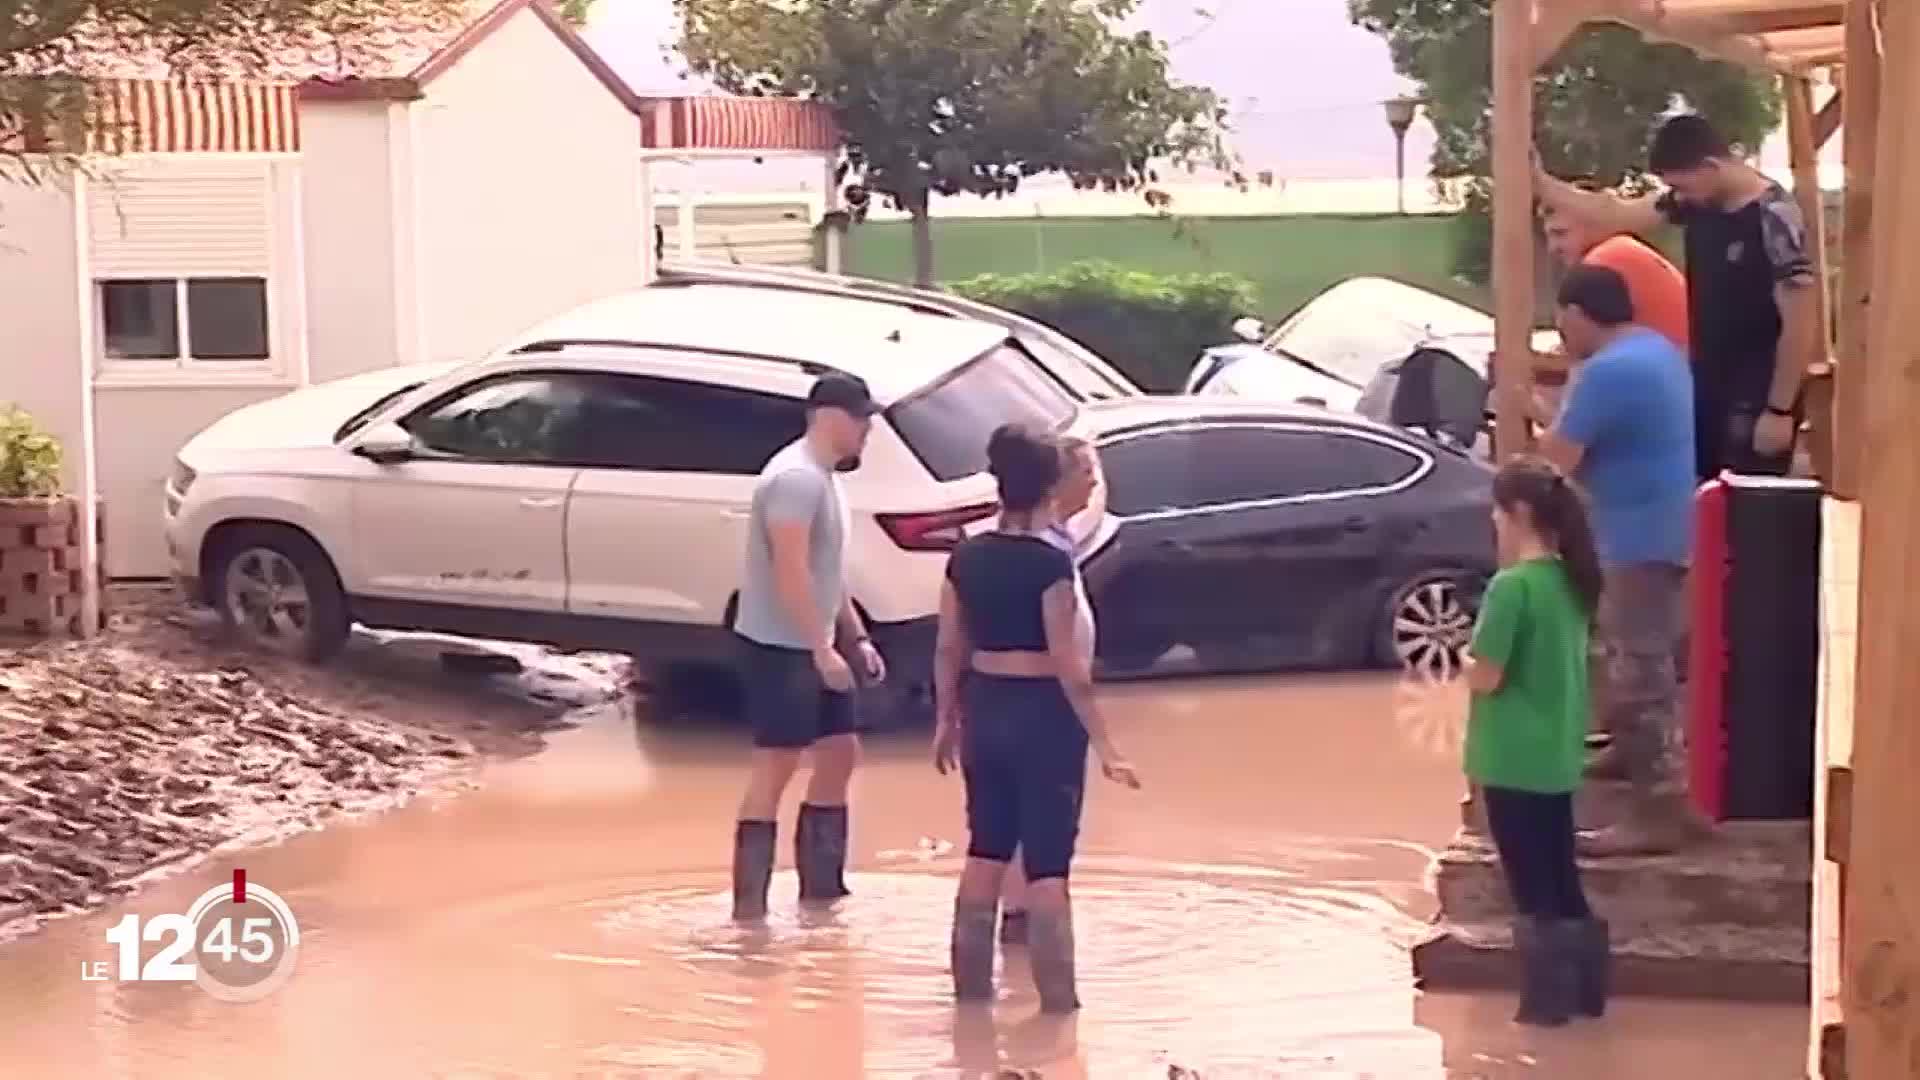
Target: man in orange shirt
(1656,286)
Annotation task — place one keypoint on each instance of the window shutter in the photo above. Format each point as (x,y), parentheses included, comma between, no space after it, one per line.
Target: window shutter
(182,221)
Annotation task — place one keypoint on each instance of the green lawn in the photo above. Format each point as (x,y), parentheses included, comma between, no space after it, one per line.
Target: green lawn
(1288,259)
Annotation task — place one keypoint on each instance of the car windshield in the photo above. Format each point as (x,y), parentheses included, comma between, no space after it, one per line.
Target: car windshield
(947,425)
(364,416)
(1352,329)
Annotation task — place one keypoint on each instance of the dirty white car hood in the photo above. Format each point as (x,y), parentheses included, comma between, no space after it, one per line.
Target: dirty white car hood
(308,416)
(1345,335)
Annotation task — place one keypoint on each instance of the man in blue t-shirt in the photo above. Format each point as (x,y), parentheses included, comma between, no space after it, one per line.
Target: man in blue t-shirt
(1625,433)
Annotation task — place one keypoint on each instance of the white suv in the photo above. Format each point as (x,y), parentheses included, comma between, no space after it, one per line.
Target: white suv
(588,485)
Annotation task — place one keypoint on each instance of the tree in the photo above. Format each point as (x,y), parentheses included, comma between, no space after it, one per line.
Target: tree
(52,50)
(939,97)
(1596,102)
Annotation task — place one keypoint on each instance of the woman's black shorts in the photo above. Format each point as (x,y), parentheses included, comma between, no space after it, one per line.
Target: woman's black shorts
(1024,755)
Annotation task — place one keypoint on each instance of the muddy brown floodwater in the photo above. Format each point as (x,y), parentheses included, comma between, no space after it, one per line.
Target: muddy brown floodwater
(1247,914)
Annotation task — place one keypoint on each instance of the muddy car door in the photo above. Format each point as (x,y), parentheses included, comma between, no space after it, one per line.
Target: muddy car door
(474,515)
(671,468)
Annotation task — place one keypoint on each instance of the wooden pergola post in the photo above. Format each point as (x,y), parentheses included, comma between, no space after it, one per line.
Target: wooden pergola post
(1881,942)
(1860,141)
(1513,65)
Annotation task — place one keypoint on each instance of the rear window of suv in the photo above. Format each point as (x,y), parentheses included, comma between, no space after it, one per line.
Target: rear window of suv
(947,425)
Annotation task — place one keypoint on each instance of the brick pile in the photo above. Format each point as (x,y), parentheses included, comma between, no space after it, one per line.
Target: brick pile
(41,574)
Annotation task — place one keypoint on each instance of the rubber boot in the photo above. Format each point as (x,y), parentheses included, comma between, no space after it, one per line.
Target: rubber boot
(974,923)
(1546,974)
(1050,952)
(753,847)
(1593,955)
(1013,927)
(820,852)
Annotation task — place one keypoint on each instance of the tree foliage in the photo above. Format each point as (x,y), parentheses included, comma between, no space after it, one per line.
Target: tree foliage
(939,97)
(1595,103)
(51,51)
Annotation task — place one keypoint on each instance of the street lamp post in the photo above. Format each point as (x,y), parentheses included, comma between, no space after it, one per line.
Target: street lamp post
(1400,113)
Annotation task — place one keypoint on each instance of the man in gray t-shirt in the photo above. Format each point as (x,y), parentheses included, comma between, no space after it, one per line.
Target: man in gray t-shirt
(794,614)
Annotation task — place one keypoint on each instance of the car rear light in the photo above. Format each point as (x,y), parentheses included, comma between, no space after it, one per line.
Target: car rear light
(938,530)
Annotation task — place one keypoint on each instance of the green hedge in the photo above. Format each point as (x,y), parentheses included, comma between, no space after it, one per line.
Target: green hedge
(1150,326)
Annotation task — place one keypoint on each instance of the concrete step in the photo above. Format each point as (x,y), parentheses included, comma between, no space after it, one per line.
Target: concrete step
(1753,874)
(1730,963)
(1596,805)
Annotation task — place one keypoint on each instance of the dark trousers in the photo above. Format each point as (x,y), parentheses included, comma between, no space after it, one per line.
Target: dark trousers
(1723,441)
(1534,836)
(1024,758)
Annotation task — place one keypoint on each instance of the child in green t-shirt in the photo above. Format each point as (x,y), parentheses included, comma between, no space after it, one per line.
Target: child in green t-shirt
(1526,732)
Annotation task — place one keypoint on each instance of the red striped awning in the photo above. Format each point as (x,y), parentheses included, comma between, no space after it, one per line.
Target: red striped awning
(739,123)
(142,116)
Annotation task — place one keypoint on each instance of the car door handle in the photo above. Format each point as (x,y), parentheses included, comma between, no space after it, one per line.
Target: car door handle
(542,502)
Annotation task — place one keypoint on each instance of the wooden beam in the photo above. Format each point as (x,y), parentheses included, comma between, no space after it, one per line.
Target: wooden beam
(1827,121)
(1754,16)
(1736,9)
(1513,69)
(1881,974)
(1803,154)
(1554,21)
(1861,96)
(1651,19)
(1808,48)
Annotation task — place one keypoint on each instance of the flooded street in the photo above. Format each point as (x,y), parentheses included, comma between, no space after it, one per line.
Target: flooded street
(1247,914)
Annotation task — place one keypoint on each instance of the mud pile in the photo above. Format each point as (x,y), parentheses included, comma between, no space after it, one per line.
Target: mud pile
(115,764)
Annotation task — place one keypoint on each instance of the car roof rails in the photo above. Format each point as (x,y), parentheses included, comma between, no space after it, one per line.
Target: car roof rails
(553,345)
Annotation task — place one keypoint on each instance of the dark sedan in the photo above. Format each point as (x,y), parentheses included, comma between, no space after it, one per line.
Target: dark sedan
(1288,538)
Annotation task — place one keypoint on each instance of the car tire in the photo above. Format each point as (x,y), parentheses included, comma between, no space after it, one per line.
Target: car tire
(1425,624)
(278,592)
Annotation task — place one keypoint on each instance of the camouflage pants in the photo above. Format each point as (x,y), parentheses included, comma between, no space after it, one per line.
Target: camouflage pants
(1640,633)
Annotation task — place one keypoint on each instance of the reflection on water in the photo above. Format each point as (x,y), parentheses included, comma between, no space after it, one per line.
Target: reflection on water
(1245,915)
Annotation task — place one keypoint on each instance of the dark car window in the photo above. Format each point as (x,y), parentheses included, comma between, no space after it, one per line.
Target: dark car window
(1249,464)
(666,425)
(947,426)
(1147,473)
(531,418)
(1217,466)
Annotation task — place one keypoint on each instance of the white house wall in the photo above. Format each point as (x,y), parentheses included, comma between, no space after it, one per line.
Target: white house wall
(353,286)
(199,215)
(527,189)
(41,349)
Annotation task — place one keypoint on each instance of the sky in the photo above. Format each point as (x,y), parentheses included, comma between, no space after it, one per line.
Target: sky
(1303,85)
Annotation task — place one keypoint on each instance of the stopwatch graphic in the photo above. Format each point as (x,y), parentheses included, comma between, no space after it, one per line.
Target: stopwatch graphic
(246,940)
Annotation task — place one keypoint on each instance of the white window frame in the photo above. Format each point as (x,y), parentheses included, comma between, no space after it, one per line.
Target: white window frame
(285,280)
(184,360)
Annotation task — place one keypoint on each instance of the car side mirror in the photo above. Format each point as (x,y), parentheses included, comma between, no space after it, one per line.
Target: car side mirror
(385,444)
(1249,329)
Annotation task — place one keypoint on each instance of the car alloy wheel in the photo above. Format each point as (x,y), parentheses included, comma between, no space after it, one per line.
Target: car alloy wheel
(1431,627)
(266,598)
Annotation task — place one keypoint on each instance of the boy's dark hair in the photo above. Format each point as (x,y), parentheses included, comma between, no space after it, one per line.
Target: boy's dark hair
(1686,141)
(1599,291)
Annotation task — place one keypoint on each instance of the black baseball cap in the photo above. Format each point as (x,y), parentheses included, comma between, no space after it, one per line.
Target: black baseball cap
(837,390)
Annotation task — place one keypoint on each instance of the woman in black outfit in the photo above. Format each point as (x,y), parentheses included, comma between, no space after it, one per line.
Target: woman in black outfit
(1016,705)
